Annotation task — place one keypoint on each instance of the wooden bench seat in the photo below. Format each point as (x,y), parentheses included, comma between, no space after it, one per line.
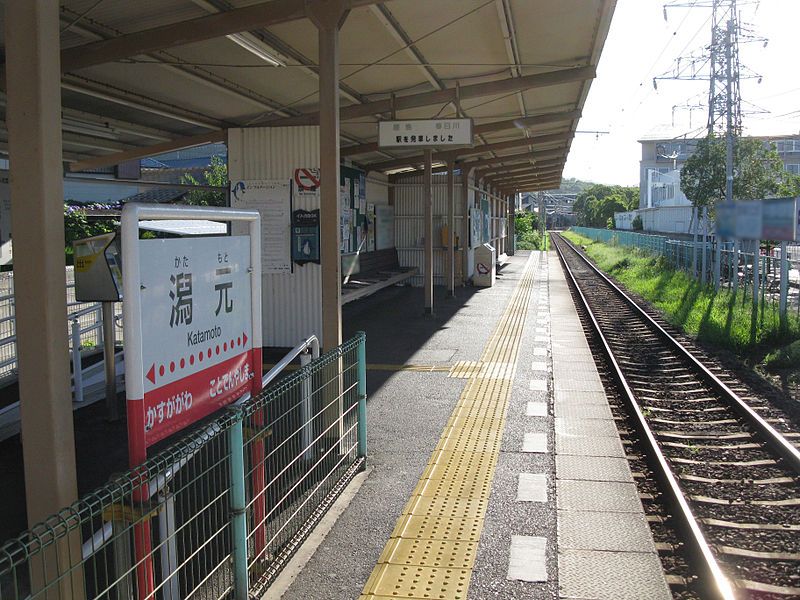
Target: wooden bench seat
(370,272)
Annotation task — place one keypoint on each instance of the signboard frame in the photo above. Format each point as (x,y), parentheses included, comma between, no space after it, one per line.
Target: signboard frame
(132,214)
(434,131)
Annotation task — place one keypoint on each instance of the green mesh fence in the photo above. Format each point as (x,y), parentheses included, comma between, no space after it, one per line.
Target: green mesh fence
(175,528)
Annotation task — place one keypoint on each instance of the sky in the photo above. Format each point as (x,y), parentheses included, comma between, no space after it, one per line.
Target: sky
(641,45)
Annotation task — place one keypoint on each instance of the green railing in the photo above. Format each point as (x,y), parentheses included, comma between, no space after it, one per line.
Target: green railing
(697,259)
(217,514)
(655,244)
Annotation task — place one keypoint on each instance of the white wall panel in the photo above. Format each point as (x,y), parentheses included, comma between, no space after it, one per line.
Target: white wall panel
(378,189)
(292,303)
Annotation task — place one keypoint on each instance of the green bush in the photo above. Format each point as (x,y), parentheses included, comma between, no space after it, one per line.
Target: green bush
(637,223)
(526,226)
(783,358)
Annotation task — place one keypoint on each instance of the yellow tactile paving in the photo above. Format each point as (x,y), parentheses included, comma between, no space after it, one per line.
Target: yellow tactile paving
(438,528)
(431,552)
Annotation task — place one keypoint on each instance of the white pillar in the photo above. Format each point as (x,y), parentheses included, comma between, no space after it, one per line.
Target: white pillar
(451,228)
(427,185)
(33,76)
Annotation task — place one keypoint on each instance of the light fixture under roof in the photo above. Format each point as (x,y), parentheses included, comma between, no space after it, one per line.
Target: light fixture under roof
(246,40)
(255,46)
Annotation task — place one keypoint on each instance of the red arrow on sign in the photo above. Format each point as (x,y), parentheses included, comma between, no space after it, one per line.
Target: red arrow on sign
(151,374)
(244,339)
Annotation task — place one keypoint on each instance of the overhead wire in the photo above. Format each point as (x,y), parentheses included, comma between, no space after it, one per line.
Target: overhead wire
(378,61)
(80,17)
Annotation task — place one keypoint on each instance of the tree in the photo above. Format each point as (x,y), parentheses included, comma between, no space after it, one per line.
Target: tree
(216,175)
(758,170)
(526,227)
(598,203)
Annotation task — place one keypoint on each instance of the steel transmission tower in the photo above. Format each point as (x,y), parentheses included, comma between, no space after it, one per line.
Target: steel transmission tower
(724,100)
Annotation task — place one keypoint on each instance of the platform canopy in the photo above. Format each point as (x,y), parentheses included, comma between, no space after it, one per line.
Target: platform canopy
(140,78)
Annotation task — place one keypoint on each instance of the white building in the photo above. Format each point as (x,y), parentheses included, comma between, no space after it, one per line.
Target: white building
(663,207)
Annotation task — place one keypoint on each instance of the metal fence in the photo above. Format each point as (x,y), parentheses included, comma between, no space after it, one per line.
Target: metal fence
(215,515)
(698,259)
(85,323)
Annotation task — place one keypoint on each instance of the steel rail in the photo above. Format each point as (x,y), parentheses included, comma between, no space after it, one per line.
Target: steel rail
(716,580)
(777,442)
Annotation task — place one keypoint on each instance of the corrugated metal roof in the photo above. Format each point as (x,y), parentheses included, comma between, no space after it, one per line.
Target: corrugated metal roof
(401,47)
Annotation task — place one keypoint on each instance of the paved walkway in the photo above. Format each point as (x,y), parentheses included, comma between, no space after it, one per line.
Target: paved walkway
(495,466)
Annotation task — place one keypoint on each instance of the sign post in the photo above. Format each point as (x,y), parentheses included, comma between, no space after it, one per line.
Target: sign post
(192,326)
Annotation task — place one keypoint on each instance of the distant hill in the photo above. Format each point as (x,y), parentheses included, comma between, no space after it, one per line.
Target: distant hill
(573,186)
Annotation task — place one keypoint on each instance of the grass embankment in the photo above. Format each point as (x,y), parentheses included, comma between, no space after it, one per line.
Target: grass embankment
(717,319)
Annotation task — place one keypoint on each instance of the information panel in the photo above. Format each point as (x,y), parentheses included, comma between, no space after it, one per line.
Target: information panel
(779,219)
(273,200)
(196,329)
(425,133)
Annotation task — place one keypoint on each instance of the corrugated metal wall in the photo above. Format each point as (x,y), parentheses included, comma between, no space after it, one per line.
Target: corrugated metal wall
(378,189)
(409,226)
(667,219)
(292,303)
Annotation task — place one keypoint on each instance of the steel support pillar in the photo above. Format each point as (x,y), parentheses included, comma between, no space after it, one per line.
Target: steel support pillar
(512,224)
(451,229)
(465,243)
(328,16)
(33,76)
(427,185)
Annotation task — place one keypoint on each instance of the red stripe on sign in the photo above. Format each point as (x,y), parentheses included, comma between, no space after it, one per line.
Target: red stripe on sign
(177,405)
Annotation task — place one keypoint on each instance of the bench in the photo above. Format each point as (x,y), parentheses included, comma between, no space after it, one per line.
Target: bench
(368,272)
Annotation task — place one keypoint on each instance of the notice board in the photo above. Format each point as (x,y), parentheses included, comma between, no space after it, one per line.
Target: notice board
(273,200)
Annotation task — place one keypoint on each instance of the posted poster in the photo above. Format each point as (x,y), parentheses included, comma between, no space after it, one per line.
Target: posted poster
(273,200)
(371,232)
(346,224)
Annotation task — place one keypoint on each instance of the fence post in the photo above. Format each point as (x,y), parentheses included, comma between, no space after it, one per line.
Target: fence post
(306,412)
(77,368)
(362,395)
(784,287)
(171,589)
(241,584)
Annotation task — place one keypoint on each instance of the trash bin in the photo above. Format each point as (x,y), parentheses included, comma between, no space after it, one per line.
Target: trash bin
(485,259)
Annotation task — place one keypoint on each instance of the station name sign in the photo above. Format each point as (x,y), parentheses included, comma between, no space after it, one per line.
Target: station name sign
(425,133)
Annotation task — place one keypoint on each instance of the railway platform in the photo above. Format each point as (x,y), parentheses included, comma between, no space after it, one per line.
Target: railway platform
(495,469)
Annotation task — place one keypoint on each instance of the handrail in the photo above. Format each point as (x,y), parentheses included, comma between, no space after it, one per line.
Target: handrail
(293,353)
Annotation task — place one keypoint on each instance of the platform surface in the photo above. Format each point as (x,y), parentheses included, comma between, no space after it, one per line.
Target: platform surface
(495,467)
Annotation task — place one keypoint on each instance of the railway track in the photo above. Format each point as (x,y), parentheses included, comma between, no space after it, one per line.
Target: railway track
(731,479)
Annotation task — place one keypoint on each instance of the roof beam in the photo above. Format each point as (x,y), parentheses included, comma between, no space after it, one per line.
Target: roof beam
(498,172)
(516,158)
(530,176)
(543,185)
(283,50)
(124,98)
(520,123)
(534,184)
(404,102)
(416,160)
(103,161)
(477,90)
(263,14)
(388,20)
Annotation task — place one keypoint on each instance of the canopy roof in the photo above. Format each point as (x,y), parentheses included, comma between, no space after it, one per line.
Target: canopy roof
(143,77)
